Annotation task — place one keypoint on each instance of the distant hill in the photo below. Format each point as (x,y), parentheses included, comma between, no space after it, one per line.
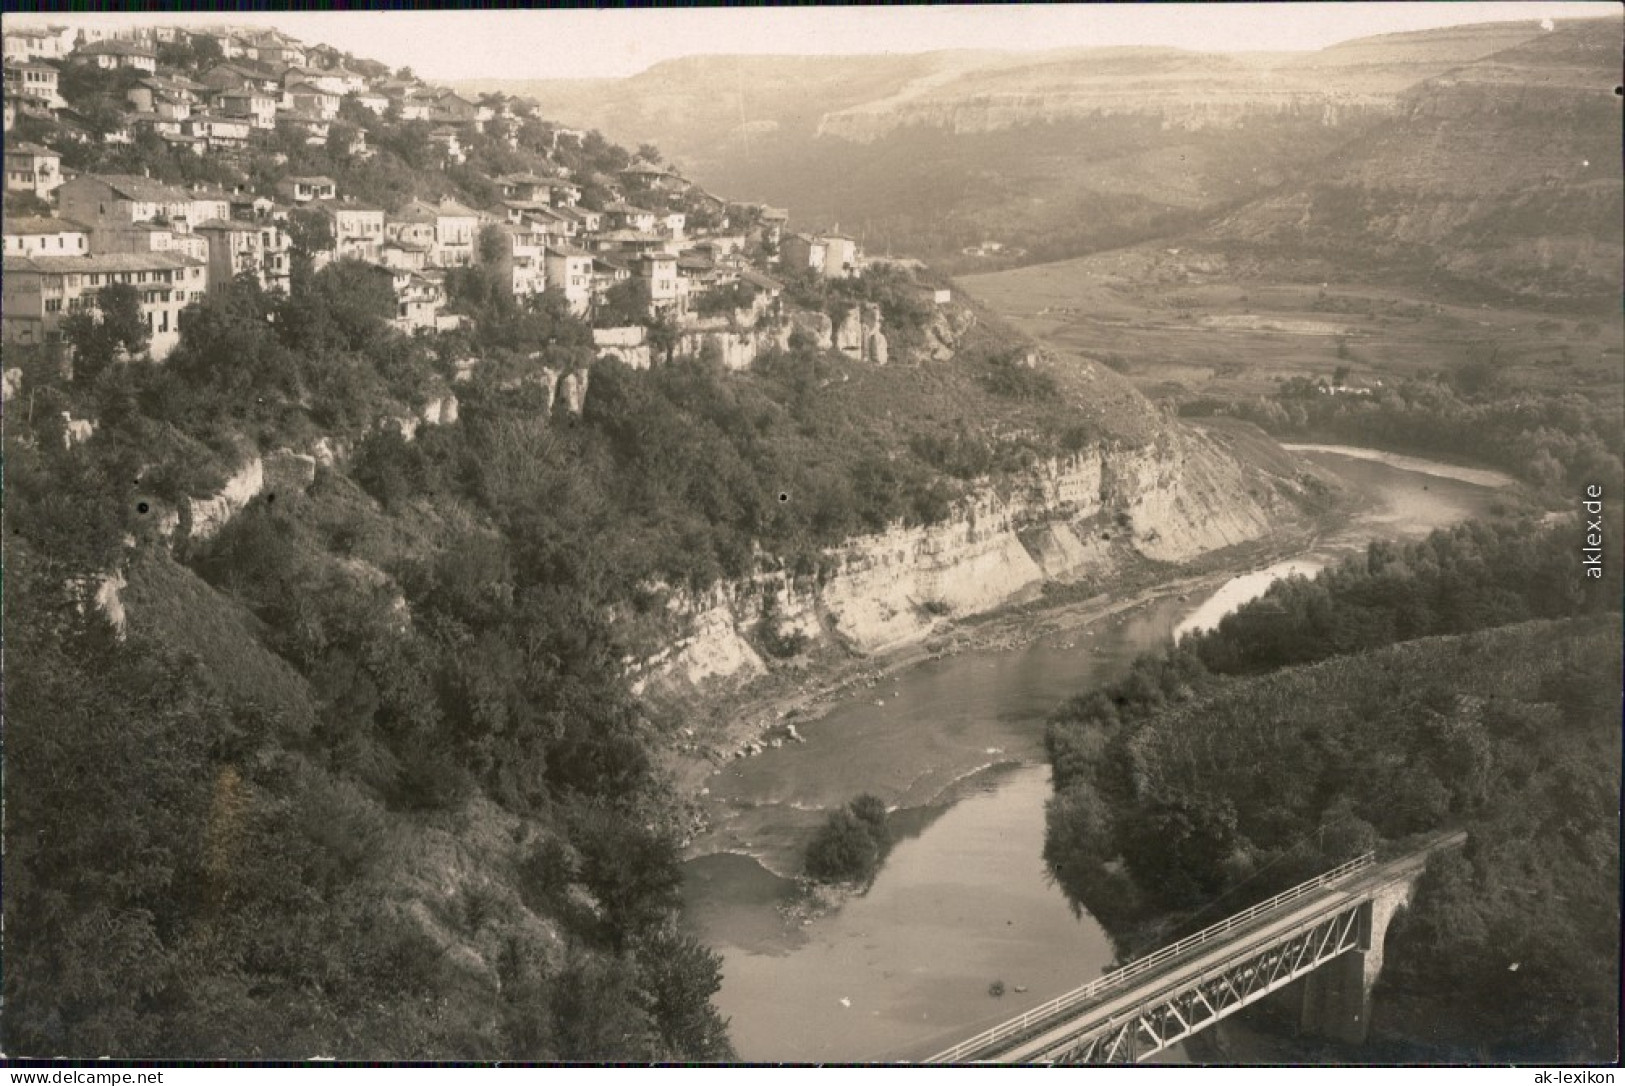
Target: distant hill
(1059,153)
(1501,175)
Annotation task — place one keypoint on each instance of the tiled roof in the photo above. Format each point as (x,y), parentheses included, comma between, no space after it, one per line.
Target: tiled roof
(115,48)
(142,189)
(416,211)
(233,226)
(40,224)
(105,262)
(757,279)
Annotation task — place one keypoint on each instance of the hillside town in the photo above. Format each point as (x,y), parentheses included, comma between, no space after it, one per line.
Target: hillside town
(176,161)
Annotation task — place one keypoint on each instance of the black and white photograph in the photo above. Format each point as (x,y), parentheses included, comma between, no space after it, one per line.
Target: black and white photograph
(1007,534)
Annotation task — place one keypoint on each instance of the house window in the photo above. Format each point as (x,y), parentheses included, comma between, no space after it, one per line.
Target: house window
(53,305)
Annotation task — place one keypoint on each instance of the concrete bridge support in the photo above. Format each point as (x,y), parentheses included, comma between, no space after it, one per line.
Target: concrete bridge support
(1337,996)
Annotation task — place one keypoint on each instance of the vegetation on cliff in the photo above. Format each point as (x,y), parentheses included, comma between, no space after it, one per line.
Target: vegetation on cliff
(1312,724)
(347,765)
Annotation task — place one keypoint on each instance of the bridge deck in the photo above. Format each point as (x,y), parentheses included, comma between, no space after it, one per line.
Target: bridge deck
(1028,1036)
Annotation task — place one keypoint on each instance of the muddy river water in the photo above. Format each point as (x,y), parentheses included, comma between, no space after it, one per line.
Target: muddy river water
(955,745)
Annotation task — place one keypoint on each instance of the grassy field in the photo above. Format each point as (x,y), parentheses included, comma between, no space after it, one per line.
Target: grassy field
(1182,325)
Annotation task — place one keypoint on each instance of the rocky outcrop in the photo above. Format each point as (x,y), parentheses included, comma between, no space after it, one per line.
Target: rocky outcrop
(1069,519)
(109,603)
(736,350)
(817,326)
(629,344)
(572,391)
(209,515)
(76,431)
(859,332)
(440,410)
(281,472)
(943,332)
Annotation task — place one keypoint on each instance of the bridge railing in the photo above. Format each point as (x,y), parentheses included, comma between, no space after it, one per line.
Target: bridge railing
(1140,966)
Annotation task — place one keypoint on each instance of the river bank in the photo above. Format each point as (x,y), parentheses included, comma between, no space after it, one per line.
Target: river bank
(951,736)
(768,712)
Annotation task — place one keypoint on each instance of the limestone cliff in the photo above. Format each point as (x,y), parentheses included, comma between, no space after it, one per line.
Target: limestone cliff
(1067,520)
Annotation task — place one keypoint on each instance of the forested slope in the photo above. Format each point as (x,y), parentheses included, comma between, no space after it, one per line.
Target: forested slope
(1330,717)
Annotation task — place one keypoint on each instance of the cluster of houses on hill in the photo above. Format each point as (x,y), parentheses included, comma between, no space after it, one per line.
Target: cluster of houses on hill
(174,243)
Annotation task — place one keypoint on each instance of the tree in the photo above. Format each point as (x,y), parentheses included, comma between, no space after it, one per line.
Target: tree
(851,843)
(664,336)
(843,850)
(678,976)
(99,336)
(648,152)
(206,51)
(491,244)
(625,303)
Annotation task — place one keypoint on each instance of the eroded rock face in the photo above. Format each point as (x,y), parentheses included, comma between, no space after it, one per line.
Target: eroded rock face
(816,325)
(572,391)
(629,344)
(1072,518)
(735,350)
(209,515)
(943,332)
(855,336)
(109,602)
(76,431)
(441,410)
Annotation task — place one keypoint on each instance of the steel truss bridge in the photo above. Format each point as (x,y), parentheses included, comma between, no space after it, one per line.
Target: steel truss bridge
(1163,998)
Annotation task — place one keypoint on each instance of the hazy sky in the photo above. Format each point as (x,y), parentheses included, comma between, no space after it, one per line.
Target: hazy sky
(584,43)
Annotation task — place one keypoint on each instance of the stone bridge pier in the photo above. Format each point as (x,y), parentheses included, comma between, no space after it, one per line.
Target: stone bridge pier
(1337,996)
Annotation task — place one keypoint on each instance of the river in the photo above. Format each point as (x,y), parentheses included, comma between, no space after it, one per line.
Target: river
(955,746)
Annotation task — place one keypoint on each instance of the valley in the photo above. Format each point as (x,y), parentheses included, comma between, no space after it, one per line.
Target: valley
(798,558)
(1182,325)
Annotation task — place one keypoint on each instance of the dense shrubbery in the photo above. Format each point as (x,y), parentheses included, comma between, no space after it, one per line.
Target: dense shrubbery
(1205,778)
(1553,441)
(851,844)
(725,299)
(302,725)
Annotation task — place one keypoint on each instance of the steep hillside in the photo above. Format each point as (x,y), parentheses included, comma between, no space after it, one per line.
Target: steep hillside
(1048,154)
(1500,176)
(1330,717)
(353,624)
